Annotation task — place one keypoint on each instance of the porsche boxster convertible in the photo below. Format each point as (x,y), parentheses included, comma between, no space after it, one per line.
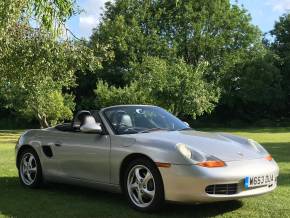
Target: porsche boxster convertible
(149,155)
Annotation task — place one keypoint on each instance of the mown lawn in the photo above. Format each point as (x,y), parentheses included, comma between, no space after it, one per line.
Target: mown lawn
(69,201)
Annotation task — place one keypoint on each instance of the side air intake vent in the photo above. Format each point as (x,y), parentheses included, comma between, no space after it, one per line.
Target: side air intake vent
(222,189)
(47,151)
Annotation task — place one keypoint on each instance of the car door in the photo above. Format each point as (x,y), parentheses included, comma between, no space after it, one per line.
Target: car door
(83,156)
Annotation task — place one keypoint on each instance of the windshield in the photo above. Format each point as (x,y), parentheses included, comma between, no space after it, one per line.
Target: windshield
(141,119)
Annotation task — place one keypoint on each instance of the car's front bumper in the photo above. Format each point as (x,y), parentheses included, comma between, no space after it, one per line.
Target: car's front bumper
(187,183)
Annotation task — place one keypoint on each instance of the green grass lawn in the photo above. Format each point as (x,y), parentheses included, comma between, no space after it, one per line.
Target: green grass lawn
(69,201)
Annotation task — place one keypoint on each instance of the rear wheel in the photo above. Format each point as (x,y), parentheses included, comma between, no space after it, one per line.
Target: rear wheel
(143,185)
(30,173)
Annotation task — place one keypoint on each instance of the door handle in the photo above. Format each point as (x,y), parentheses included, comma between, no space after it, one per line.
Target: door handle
(57,144)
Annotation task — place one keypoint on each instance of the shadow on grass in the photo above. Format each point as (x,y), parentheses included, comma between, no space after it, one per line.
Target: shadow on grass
(8,142)
(55,200)
(250,129)
(284,179)
(281,154)
(268,130)
(8,132)
(280,151)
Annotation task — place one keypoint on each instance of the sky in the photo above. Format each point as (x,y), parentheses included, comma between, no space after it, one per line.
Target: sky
(264,14)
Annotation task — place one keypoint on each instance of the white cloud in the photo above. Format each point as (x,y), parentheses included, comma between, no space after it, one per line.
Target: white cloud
(279,5)
(91,15)
(88,22)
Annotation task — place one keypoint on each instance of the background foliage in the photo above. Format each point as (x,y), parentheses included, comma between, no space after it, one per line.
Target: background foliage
(198,59)
(171,84)
(38,72)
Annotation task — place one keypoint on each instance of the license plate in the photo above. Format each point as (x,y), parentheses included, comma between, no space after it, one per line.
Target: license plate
(254,181)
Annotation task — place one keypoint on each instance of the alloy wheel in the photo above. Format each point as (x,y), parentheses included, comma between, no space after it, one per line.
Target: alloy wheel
(141,186)
(28,169)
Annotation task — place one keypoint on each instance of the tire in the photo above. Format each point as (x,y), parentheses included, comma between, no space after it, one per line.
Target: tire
(29,170)
(143,185)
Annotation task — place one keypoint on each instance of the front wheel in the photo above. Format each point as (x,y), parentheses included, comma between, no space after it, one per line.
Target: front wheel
(30,173)
(143,185)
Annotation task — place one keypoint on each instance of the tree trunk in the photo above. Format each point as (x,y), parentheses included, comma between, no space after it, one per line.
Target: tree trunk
(42,121)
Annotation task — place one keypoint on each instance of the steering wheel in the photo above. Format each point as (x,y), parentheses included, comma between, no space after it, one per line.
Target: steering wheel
(123,128)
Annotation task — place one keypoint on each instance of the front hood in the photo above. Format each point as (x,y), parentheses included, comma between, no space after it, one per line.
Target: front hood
(224,146)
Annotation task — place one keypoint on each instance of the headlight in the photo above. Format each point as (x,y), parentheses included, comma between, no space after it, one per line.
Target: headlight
(259,148)
(184,150)
(199,158)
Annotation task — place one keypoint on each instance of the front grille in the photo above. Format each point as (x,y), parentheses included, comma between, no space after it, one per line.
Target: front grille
(222,189)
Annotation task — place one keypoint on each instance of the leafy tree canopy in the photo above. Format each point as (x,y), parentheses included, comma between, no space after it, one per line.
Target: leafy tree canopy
(281,32)
(210,30)
(171,84)
(48,14)
(281,46)
(254,88)
(36,71)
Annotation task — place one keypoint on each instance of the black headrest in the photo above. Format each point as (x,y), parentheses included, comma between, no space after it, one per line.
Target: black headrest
(79,118)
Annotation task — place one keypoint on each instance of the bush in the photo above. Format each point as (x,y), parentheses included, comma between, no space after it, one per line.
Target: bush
(173,85)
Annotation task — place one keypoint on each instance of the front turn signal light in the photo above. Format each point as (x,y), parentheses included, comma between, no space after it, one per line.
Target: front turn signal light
(164,165)
(269,158)
(211,163)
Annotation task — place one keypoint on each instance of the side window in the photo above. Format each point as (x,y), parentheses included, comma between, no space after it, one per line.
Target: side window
(96,115)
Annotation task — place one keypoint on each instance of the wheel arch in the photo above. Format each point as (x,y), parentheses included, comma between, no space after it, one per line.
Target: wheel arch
(125,163)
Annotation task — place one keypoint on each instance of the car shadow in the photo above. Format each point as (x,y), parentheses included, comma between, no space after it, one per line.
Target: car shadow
(200,210)
(57,200)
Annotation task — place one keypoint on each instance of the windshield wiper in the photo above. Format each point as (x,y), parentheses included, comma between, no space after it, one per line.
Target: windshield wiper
(154,129)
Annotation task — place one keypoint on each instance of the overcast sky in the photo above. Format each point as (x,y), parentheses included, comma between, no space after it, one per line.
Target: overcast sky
(264,14)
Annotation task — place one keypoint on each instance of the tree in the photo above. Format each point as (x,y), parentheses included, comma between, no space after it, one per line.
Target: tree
(49,108)
(48,14)
(37,73)
(171,84)
(107,95)
(206,30)
(26,58)
(254,89)
(281,46)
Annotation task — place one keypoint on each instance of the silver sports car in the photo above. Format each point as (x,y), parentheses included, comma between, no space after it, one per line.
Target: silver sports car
(149,155)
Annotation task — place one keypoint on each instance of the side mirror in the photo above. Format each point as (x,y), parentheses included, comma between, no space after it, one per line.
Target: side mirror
(92,127)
